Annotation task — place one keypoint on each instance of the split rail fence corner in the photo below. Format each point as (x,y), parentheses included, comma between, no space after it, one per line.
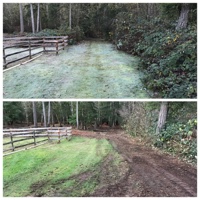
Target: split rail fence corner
(18,135)
(32,43)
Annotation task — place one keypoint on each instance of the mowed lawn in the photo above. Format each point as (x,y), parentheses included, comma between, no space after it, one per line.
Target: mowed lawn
(92,69)
(46,170)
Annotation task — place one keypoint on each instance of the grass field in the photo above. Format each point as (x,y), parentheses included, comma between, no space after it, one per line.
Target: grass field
(55,169)
(88,70)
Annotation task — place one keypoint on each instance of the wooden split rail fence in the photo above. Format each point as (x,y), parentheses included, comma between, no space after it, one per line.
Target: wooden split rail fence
(34,135)
(41,44)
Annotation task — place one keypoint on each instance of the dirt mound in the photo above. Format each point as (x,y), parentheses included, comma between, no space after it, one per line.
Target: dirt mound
(149,173)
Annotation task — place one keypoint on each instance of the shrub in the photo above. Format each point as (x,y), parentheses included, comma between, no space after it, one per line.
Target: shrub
(76,34)
(171,64)
(45,32)
(180,139)
(168,57)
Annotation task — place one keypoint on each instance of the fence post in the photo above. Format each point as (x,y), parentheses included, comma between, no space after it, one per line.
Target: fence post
(44,45)
(4,59)
(34,137)
(29,45)
(57,47)
(66,134)
(11,139)
(48,136)
(63,43)
(58,136)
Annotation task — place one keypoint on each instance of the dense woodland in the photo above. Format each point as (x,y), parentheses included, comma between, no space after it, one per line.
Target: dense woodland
(164,36)
(168,125)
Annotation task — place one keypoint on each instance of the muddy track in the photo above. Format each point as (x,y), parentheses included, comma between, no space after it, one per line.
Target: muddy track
(150,173)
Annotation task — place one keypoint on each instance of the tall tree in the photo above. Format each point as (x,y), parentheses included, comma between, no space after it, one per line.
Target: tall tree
(152,9)
(162,117)
(34,114)
(49,114)
(77,123)
(52,114)
(32,18)
(38,18)
(12,112)
(70,16)
(21,18)
(25,105)
(78,14)
(183,18)
(44,114)
(72,108)
(47,13)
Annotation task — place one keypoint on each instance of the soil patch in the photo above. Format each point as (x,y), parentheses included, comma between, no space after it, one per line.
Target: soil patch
(149,173)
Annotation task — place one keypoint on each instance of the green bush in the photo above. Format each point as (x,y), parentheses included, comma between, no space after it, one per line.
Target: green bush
(180,139)
(72,119)
(168,57)
(76,34)
(45,32)
(171,63)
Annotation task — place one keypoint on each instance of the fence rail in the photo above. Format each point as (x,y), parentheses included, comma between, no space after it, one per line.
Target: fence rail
(49,133)
(32,43)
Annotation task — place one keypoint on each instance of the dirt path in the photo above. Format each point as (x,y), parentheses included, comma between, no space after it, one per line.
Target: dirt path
(88,70)
(150,173)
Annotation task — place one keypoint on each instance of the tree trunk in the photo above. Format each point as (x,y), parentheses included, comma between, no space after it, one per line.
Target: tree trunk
(113,114)
(72,108)
(44,114)
(38,18)
(34,115)
(40,24)
(21,19)
(70,16)
(183,18)
(49,114)
(78,14)
(82,120)
(26,113)
(150,11)
(58,120)
(77,115)
(162,117)
(47,14)
(32,18)
(99,113)
(41,123)
(52,118)
(60,113)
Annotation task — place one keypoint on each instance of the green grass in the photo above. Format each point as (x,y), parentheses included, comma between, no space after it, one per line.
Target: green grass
(89,70)
(46,170)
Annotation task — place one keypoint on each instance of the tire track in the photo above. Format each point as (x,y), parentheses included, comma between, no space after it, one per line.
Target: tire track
(150,173)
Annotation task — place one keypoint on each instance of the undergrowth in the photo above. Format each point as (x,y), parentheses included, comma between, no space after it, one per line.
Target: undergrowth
(75,34)
(180,139)
(168,57)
